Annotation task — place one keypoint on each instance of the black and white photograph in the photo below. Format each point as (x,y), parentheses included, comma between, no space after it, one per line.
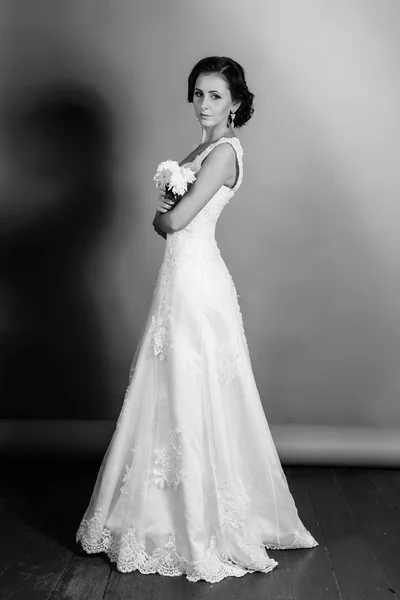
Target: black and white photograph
(199,300)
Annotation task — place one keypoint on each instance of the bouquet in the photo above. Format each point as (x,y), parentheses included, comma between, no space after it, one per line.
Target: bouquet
(173,180)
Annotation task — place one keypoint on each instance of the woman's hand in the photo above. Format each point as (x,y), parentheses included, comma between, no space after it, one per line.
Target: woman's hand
(164,203)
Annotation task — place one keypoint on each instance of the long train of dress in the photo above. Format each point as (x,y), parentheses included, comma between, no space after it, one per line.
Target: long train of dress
(191,482)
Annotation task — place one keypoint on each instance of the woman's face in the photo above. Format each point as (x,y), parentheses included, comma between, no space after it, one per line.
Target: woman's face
(212,100)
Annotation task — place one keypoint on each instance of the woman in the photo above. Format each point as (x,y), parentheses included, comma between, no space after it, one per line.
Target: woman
(191,482)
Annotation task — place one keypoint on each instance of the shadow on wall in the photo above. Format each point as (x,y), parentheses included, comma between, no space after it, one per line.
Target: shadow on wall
(55,203)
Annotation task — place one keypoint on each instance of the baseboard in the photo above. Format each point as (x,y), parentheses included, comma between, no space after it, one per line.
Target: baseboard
(296,444)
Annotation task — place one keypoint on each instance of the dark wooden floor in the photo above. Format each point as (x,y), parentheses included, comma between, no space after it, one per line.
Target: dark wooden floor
(353,513)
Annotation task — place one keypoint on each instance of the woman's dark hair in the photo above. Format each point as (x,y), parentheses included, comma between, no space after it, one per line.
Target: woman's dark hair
(233,73)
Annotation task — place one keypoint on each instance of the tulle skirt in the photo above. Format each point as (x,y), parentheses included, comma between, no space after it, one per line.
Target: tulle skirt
(191,482)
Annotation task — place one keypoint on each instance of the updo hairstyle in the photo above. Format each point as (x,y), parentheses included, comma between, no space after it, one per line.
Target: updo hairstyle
(233,74)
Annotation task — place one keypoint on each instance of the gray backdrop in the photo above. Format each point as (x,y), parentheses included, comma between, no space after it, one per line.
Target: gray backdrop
(93,96)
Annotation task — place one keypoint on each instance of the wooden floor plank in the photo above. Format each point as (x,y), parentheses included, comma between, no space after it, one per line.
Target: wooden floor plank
(356,568)
(31,562)
(37,545)
(310,569)
(276,585)
(129,586)
(377,520)
(353,514)
(254,586)
(387,481)
(85,578)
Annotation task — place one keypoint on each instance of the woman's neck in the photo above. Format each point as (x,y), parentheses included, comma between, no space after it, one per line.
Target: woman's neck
(208,136)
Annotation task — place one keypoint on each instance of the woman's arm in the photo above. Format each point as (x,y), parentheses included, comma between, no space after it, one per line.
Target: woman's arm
(159,231)
(216,168)
(164,205)
(161,221)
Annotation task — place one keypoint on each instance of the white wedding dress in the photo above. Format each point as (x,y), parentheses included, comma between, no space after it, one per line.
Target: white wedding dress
(191,482)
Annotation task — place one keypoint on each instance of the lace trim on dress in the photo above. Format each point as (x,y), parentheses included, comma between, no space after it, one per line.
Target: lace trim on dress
(301,540)
(129,553)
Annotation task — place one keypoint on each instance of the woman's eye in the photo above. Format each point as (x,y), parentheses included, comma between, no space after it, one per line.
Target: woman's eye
(213,96)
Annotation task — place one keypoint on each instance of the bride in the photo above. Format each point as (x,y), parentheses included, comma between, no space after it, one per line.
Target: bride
(191,483)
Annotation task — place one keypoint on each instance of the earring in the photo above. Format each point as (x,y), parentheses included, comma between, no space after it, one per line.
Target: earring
(233,115)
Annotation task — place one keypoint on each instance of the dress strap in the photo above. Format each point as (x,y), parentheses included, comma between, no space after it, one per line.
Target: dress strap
(237,146)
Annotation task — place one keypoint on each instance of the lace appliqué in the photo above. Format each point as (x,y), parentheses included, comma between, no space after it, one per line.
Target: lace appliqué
(232,505)
(183,245)
(132,485)
(125,493)
(167,470)
(175,256)
(238,311)
(207,216)
(130,554)
(304,540)
(125,403)
(160,332)
(259,561)
(228,362)
(180,249)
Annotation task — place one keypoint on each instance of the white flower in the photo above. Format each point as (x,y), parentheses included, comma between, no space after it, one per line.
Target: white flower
(164,172)
(169,164)
(188,174)
(171,176)
(177,183)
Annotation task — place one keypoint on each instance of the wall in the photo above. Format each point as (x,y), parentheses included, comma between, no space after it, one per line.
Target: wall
(311,238)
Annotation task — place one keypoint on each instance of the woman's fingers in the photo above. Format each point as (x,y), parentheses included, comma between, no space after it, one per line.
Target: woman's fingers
(164,205)
(164,202)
